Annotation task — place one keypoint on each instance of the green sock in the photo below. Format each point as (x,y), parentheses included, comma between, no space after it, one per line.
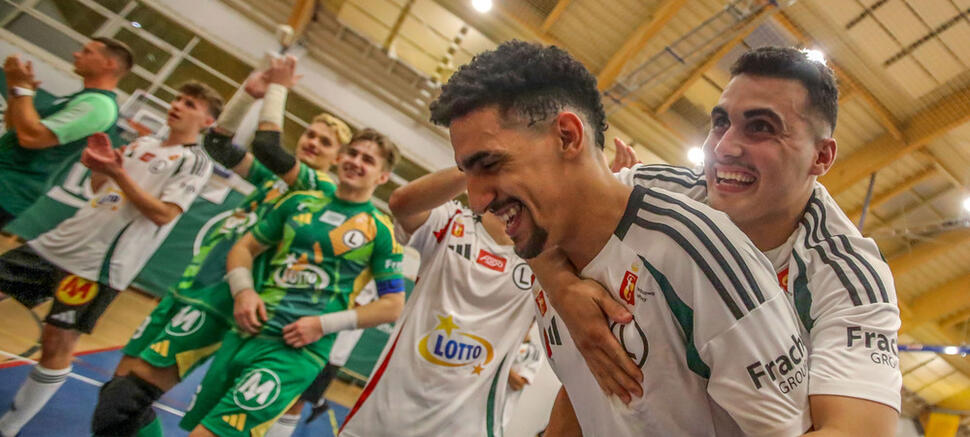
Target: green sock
(153,429)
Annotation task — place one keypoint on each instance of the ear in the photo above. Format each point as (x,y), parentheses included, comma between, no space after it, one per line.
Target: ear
(209,120)
(385,176)
(825,153)
(569,127)
(111,64)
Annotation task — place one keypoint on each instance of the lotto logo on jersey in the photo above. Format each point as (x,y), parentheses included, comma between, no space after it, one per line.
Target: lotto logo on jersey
(259,388)
(75,290)
(298,273)
(187,321)
(448,346)
(458,230)
(628,288)
(111,199)
(491,260)
(541,302)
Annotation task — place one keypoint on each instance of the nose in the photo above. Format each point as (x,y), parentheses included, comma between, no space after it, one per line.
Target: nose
(481,192)
(729,145)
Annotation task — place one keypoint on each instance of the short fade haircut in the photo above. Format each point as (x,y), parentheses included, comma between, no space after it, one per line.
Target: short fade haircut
(526,80)
(794,64)
(118,50)
(344,134)
(387,148)
(205,93)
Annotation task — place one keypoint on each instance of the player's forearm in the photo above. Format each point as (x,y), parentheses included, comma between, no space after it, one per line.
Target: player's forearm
(161,213)
(842,416)
(414,200)
(554,271)
(562,420)
(97,181)
(25,121)
(383,310)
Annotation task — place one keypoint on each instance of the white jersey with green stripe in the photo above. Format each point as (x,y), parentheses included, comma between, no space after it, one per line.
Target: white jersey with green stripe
(444,370)
(712,331)
(839,284)
(108,240)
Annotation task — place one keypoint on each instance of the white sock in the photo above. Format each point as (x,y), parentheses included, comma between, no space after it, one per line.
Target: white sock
(285,426)
(40,385)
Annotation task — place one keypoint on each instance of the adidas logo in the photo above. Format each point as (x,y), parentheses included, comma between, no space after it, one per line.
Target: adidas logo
(237,421)
(160,348)
(464,250)
(554,332)
(305,218)
(69,317)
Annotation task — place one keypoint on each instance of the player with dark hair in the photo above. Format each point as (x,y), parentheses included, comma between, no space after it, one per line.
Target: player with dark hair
(42,142)
(140,191)
(526,127)
(771,138)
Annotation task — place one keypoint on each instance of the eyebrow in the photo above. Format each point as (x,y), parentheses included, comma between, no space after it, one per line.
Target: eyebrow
(473,161)
(764,112)
(717,110)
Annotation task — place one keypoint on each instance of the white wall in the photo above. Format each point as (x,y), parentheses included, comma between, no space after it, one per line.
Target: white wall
(532,411)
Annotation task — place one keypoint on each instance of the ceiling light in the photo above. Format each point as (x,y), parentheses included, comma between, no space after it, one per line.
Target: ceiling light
(482,6)
(951,350)
(695,155)
(815,55)
(136,24)
(966,204)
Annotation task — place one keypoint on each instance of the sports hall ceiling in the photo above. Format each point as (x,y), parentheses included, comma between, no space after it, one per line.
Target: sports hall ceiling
(903,68)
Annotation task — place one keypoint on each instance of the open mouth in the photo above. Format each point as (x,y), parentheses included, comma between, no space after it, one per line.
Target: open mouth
(737,179)
(510,214)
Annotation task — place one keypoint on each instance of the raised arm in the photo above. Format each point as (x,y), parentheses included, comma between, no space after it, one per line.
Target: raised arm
(412,203)
(267,142)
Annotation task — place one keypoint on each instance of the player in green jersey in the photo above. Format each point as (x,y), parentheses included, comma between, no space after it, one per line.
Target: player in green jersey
(189,323)
(42,142)
(323,248)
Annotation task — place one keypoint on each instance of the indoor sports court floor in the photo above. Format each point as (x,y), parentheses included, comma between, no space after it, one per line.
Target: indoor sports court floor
(69,411)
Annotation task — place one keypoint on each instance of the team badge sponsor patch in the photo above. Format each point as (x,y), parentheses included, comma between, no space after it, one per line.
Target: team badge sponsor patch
(783,279)
(447,345)
(491,260)
(522,276)
(440,233)
(111,199)
(299,273)
(186,321)
(75,290)
(259,388)
(458,230)
(157,166)
(541,302)
(352,234)
(628,288)
(148,156)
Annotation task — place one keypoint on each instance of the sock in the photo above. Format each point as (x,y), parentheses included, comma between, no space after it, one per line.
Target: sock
(285,426)
(40,385)
(153,429)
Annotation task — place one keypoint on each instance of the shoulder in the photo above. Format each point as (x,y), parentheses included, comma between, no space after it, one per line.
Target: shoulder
(681,176)
(99,100)
(196,160)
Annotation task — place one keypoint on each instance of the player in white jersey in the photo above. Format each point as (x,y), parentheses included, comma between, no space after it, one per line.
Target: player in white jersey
(528,360)
(835,278)
(715,333)
(139,192)
(445,367)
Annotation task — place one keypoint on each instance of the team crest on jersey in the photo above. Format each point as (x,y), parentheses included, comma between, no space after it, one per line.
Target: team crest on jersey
(783,279)
(158,165)
(447,345)
(75,290)
(628,288)
(491,260)
(299,273)
(259,388)
(541,302)
(522,276)
(186,321)
(276,189)
(440,233)
(111,199)
(633,340)
(148,156)
(239,221)
(352,234)
(458,229)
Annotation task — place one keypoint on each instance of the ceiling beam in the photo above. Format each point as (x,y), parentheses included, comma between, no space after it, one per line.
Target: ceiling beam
(637,41)
(946,168)
(397,25)
(926,251)
(882,114)
(933,305)
(900,188)
(742,31)
(924,127)
(554,15)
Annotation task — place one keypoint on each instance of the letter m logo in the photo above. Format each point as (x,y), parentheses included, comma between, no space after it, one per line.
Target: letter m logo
(188,320)
(258,389)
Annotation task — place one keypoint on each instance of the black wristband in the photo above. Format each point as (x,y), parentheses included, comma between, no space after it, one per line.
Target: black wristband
(221,149)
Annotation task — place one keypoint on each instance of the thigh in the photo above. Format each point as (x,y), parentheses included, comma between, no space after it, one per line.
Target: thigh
(188,337)
(218,380)
(27,276)
(151,327)
(271,382)
(79,303)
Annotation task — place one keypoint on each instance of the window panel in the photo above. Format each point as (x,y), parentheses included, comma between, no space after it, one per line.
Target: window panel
(207,53)
(161,26)
(164,94)
(188,70)
(113,5)
(301,107)
(132,82)
(291,133)
(149,56)
(74,14)
(408,170)
(6,9)
(44,36)
(383,192)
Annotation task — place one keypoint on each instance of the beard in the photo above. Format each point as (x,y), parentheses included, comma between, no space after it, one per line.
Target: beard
(534,245)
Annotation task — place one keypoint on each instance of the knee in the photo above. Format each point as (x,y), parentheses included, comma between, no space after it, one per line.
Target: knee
(124,406)
(57,346)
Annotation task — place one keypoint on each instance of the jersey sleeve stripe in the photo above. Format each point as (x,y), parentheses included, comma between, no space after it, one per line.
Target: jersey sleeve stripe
(732,250)
(674,175)
(849,287)
(853,253)
(819,219)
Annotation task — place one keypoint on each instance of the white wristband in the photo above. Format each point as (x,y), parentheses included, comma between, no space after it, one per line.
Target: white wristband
(239,279)
(338,321)
(235,111)
(274,103)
